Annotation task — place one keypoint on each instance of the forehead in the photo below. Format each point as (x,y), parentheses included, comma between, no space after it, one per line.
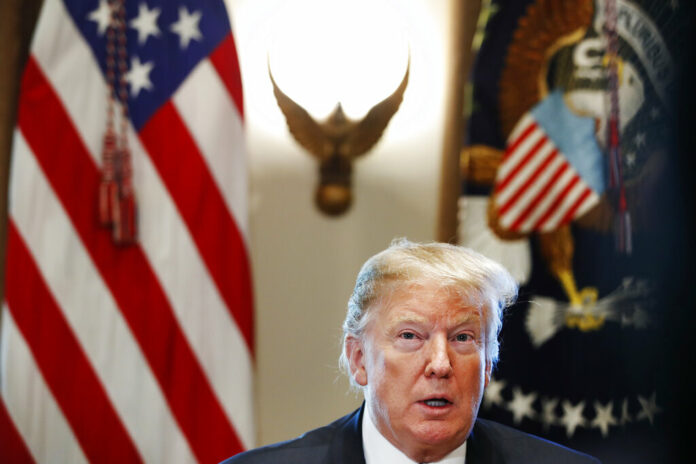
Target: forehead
(424,303)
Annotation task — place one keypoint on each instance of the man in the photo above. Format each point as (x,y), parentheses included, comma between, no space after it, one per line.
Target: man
(420,340)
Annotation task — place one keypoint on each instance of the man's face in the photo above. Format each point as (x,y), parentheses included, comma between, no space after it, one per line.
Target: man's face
(422,361)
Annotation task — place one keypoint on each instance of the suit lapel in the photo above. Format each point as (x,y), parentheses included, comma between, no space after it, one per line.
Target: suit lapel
(479,447)
(347,446)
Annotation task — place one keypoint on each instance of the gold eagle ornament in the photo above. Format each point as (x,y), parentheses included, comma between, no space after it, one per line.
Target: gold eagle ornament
(337,141)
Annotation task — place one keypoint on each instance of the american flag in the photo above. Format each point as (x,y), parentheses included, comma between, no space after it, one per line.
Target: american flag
(540,186)
(144,352)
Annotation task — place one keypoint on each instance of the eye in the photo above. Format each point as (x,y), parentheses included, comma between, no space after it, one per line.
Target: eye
(463,337)
(407,335)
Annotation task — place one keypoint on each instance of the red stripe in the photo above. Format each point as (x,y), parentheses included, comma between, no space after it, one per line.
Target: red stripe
(518,141)
(12,447)
(224,59)
(193,189)
(61,360)
(530,180)
(552,207)
(571,212)
(138,294)
(539,196)
(529,155)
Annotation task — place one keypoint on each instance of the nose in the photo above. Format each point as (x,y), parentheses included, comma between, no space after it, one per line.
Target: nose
(439,364)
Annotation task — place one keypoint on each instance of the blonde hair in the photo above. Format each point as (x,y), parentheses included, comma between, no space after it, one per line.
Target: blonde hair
(479,281)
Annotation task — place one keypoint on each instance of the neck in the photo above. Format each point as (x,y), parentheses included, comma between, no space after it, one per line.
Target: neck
(418,452)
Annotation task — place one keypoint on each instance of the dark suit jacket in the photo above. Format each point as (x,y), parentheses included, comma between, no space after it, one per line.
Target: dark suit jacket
(341,443)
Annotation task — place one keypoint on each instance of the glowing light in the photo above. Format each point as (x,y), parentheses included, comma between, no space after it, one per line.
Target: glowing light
(323,52)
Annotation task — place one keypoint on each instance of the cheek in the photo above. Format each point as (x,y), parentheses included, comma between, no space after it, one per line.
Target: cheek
(393,374)
(402,366)
(375,367)
(472,374)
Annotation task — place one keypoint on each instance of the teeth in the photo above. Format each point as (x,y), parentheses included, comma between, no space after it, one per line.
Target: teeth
(436,403)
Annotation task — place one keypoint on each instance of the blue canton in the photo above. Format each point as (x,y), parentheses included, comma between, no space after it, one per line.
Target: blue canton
(184,33)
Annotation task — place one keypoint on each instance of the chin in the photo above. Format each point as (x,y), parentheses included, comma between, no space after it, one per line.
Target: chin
(434,442)
(435,433)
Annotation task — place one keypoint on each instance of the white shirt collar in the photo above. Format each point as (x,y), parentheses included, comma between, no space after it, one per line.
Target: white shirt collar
(379,450)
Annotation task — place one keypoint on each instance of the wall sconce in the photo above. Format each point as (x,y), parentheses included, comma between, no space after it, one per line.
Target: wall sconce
(337,141)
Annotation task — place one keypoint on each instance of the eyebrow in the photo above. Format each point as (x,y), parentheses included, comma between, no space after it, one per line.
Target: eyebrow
(418,319)
(405,318)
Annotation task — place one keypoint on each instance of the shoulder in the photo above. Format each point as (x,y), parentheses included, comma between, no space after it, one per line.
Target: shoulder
(515,446)
(309,448)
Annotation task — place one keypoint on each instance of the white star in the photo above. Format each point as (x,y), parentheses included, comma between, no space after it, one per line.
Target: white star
(187,26)
(146,23)
(548,412)
(101,16)
(626,320)
(630,159)
(640,318)
(625,416)
(521,405)
(603,418)
(493,394)
(648,408)
(639,139)
(572,417)
(139,76)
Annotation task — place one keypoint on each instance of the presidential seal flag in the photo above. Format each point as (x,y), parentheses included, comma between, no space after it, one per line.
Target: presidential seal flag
(570,172)
(127,326)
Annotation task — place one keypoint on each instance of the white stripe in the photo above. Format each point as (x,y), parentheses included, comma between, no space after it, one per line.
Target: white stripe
(520,127)
(548,199)
(533,189)
(554,221)
(92,313)
(514,158)
(525,173)
(29,402)
(208,110)
(165,239)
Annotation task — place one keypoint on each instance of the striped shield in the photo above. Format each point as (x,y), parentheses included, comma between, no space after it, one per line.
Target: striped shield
(552,171)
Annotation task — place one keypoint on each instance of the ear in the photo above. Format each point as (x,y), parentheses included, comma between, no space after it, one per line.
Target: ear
(355,352)
(489,368)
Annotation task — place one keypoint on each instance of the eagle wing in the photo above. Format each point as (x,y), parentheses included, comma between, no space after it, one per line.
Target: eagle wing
(306,131)
(368,131)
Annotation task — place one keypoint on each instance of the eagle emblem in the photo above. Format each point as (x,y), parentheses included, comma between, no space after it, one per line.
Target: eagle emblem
(337,141)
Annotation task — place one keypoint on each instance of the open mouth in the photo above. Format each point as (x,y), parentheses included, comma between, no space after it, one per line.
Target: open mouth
(436,402)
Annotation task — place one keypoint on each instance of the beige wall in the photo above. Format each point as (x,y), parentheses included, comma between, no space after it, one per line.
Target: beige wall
(305,263)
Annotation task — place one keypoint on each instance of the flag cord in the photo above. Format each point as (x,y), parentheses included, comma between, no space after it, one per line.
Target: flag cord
(117,208)
(623,220)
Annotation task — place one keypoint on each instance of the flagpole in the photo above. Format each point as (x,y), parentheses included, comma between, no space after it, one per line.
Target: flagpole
(464,16)
(17,22)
